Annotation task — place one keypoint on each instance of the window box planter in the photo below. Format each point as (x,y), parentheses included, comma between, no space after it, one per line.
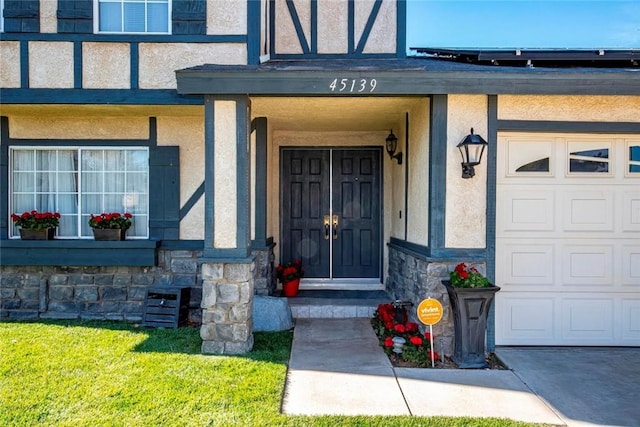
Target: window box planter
(109,234)
(42,234)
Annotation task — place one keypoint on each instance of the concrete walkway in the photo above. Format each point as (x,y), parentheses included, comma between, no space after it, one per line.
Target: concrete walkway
(337,367)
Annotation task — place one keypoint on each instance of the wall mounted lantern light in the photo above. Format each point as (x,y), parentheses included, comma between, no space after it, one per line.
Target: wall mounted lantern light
(471,149)
(391,145)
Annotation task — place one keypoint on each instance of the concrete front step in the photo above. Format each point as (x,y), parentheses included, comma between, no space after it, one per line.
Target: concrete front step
(313,304)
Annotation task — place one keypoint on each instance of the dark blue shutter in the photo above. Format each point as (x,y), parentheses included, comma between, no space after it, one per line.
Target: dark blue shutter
(189,17)
(75,16)
(164,193)
(21,16)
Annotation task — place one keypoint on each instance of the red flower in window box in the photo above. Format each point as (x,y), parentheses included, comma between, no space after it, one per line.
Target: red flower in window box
(111,220)
(35,220)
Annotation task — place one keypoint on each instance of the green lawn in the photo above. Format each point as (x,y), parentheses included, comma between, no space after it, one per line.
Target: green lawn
(116,374)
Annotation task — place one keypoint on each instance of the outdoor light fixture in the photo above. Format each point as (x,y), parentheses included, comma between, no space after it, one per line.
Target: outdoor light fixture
(471,149)
(391,145)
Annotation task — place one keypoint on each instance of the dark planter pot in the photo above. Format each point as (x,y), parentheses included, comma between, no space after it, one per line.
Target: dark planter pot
(44,234)
(109,233)
(470,308)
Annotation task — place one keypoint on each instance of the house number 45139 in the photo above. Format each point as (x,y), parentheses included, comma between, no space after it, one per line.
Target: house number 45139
(353,85)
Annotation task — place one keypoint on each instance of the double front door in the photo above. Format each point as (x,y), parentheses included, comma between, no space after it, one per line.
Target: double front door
(330,211)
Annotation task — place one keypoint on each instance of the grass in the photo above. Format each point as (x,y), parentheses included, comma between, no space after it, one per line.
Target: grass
(61,373)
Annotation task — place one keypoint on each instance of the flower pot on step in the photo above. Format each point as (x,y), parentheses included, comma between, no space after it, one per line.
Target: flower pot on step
(290,288)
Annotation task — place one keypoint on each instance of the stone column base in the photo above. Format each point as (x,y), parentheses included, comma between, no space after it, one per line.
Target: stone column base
(227,302)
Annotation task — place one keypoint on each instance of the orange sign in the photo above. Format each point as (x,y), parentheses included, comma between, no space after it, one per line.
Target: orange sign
(429,311)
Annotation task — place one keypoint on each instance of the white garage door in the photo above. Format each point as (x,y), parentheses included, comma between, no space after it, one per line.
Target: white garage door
(568,240)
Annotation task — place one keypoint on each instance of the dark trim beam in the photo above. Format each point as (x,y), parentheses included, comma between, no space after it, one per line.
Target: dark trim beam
(78,252)
(570,127)
(97,96)
(490,224)
(426,254)
(259,126)
(253,29)
(401,25)
(256,81)
(437,172)
(126,38)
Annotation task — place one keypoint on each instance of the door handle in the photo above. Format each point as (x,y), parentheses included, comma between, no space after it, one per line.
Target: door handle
(335,226)
(327,224)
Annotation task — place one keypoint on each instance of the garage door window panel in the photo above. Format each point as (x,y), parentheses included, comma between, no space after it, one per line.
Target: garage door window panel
(589,157)
(530,158)
(634,159)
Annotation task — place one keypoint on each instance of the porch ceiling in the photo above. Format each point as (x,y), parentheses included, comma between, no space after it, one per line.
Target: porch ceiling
(333,114)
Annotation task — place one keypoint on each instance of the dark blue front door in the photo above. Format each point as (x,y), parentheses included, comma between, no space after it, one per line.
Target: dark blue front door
(330,211)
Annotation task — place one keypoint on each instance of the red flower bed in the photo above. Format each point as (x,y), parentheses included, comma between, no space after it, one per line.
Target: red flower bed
(390,321)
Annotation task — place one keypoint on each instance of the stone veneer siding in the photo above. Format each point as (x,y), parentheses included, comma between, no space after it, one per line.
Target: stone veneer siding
(111,293)
(227,302)
(414,277)
(265,273)
(96,293)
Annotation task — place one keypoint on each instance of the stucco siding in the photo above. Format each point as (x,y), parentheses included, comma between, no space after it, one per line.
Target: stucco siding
(227,17)
(188,133)
(159,61)
(570,108)
(48,16)
(286,38)
(465,224)
(51,65)
(332,27)
(9,64)
(418,161)
(225,175)
(106,66)
(382,38)
(45,124)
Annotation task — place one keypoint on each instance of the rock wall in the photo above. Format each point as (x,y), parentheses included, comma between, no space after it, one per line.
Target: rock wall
(413,277)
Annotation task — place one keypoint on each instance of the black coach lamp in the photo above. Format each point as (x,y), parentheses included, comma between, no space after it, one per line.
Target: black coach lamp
(471,149)
(391,144)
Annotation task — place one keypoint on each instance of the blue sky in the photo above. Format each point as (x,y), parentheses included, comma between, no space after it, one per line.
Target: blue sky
(524,23)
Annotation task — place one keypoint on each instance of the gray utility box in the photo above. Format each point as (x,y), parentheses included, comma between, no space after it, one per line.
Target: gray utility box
(166,307)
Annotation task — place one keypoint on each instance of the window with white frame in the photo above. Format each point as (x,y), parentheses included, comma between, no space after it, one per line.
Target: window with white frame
(133,16)
(77,182)
(1,16)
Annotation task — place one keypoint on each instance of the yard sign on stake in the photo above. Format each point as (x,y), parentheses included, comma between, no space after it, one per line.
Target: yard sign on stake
(430,312)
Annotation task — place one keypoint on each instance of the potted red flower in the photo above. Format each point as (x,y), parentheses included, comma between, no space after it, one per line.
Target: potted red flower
(36,225)
(289,275)
(110,226)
